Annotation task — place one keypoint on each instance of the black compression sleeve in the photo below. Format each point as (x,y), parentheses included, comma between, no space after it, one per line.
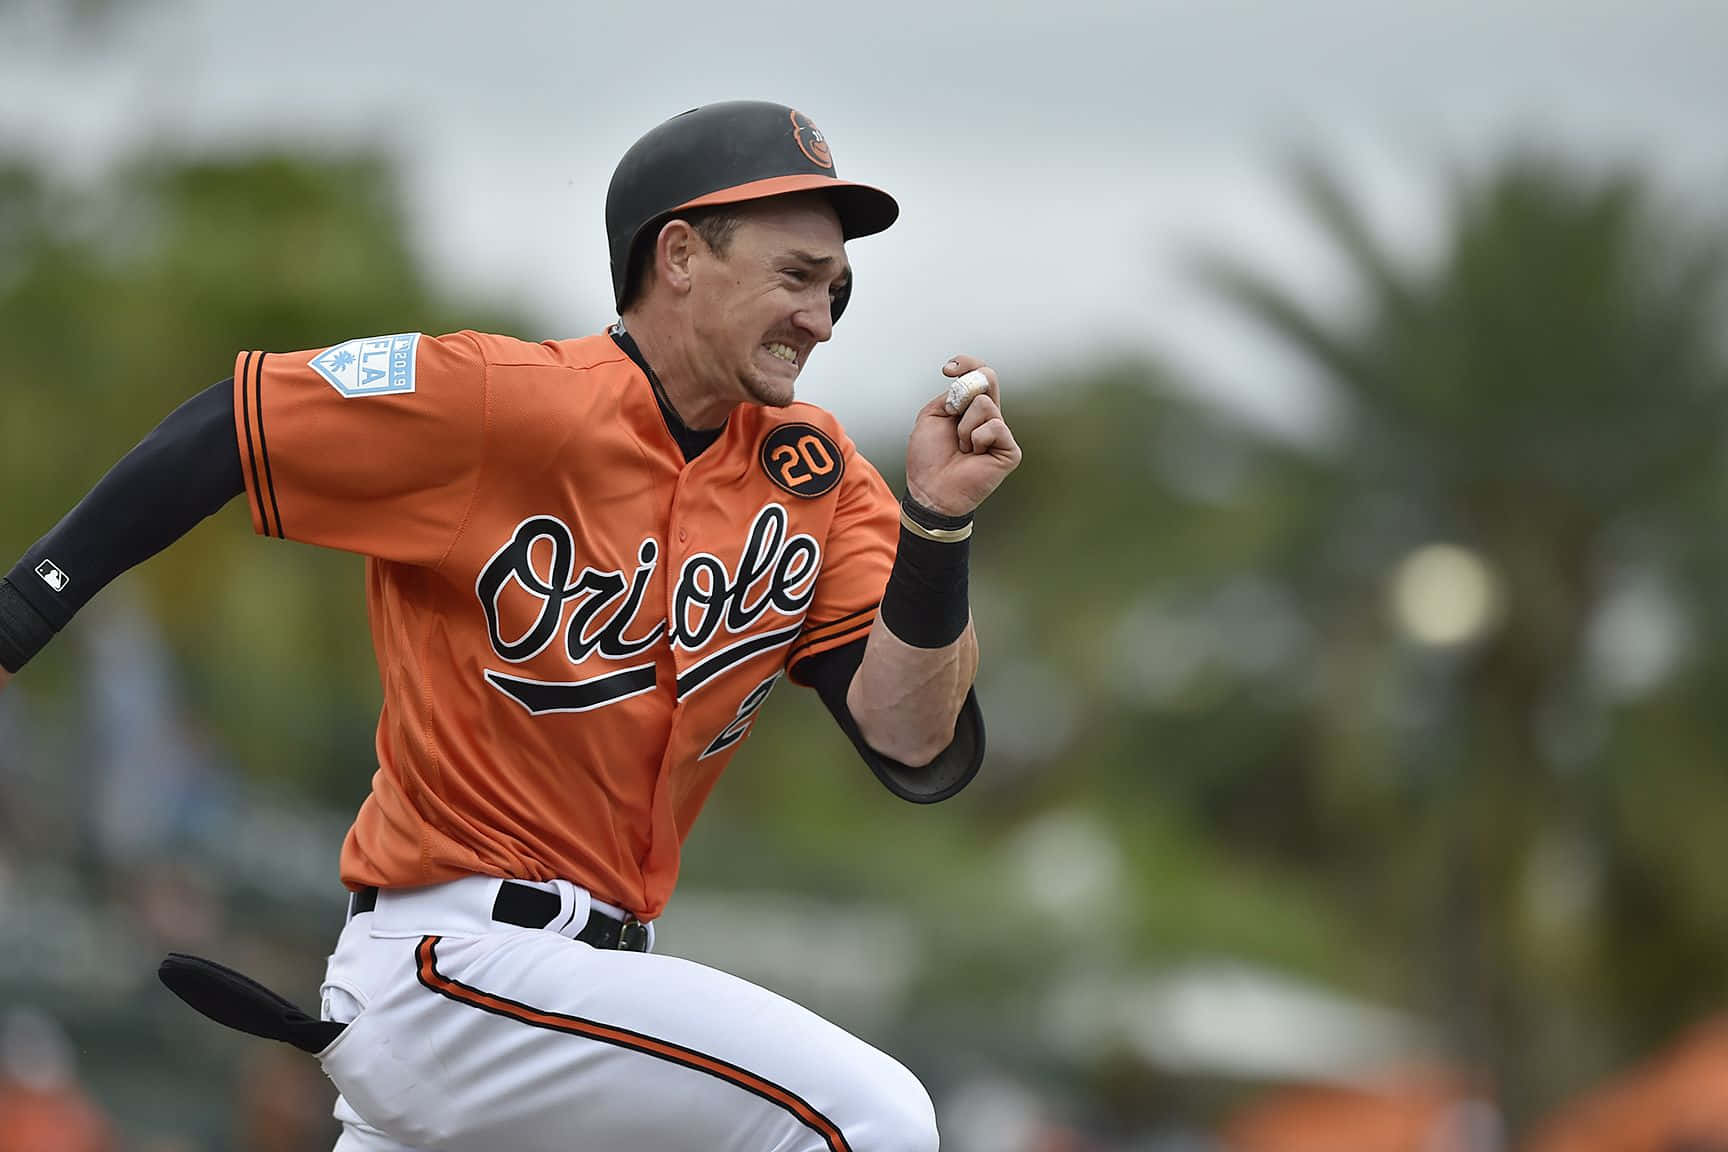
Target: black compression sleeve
(831,672)
(182,472)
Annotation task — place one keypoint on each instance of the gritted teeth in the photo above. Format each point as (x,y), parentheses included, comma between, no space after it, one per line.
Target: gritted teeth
(784,351)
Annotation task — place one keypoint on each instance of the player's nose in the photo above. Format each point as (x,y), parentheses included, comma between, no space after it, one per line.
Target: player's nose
(816,319)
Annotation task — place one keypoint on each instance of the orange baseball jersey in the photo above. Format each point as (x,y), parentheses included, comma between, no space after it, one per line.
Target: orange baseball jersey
(574,626)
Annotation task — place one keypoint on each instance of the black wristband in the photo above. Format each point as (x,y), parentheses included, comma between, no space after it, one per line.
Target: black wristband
(23,630)
(925,603)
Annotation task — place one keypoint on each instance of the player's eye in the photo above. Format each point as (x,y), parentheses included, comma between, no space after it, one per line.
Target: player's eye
(796,275)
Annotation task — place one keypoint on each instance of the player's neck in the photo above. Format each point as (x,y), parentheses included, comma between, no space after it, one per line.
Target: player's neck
(698,406)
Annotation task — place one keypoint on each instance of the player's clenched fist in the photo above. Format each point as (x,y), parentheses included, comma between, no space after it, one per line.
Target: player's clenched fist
(954,459)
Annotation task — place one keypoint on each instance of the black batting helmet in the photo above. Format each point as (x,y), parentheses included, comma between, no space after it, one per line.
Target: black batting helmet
(727,154)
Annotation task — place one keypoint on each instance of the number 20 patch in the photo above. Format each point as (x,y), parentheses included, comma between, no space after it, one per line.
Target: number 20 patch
(802,459)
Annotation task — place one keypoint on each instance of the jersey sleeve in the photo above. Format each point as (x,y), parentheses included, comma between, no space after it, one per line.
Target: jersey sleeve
(372,446)
(857,558)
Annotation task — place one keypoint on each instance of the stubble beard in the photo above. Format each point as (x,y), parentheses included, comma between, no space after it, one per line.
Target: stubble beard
(768,392)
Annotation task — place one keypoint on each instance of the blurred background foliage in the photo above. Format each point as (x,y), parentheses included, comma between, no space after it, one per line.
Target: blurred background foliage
(1413,735)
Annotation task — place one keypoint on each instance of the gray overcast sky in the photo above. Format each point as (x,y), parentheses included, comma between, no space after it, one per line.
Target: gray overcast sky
(1054,162)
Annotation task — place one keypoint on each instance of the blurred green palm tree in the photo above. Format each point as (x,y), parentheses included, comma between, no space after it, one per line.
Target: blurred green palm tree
(1532,809)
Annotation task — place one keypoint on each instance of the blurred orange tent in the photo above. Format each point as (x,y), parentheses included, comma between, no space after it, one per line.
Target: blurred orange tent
(1418,1112)
(50,1119)
(1677,1101)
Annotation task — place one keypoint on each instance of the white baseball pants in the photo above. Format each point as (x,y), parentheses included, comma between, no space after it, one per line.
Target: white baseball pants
(468,1035)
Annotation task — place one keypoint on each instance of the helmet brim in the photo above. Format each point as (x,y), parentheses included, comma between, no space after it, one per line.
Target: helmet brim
(863,210)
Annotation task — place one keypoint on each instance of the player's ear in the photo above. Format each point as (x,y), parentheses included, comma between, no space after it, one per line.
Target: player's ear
(674,249)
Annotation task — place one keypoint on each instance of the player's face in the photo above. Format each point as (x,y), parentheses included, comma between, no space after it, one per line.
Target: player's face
(763,306)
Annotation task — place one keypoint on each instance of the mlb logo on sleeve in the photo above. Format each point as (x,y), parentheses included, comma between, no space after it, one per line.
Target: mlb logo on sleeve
(52,576)
(377,366)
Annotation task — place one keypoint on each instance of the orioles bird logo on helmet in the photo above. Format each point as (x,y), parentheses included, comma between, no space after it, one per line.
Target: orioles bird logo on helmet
(811,141)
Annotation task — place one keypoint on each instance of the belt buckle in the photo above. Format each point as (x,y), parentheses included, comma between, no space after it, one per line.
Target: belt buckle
(632,936)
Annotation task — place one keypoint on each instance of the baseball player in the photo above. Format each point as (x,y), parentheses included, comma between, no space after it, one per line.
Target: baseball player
(589,562)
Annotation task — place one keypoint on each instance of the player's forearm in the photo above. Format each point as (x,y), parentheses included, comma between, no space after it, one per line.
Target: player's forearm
(181,473)
(905,699)
(922,653)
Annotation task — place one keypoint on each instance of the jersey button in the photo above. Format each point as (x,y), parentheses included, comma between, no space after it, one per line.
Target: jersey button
(683,535)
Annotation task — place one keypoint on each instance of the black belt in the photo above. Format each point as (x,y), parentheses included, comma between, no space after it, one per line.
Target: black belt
(529,907)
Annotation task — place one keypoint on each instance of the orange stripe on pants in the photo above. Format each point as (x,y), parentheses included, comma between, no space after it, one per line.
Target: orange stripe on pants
(624,1038)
